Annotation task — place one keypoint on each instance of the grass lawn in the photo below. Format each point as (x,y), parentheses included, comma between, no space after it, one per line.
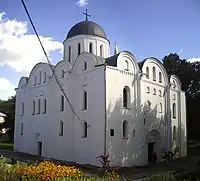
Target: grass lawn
(6,146)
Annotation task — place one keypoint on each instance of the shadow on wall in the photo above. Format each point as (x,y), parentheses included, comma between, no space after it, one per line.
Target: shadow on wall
(129,145)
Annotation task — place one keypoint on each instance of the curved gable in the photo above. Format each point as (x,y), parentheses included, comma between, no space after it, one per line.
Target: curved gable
(23,82)
(152,65)
(175,82)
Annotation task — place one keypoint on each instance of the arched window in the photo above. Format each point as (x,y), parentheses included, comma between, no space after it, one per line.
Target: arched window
(160,93)
(160,77)
(126,97)
(160,108)
(84,65)
(61,128)
(45,106)
(90,48)
(62,103)
(62,74)
(35,80)
(126,65)
(85,127)
(85,100)
(22,109)
(69,53)
(79,48)
(101,51)
(174,133)
(21,129)
(148,89)
(38,106)
(154,91)
(40,77)
(45,77)
(174,110)
(33,108)
(154,74)
(147,72)
(174,84)
(125,129)
(174,97)
(148,103)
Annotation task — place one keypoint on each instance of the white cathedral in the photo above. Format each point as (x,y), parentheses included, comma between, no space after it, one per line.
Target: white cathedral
(103,104)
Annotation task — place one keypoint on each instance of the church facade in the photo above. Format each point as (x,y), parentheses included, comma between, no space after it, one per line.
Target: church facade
(103,104)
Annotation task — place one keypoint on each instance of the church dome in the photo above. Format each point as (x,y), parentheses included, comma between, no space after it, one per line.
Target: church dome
(86,28)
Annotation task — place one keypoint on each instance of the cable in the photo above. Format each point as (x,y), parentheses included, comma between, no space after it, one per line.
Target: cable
(49,63)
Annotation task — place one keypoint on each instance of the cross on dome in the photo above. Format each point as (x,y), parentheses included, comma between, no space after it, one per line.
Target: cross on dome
(86,15)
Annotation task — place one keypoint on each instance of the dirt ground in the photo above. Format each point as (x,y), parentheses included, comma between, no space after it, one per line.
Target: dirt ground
(131,173)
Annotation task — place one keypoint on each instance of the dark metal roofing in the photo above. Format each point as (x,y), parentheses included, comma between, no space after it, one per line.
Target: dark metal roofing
(112,61)
(140,64)
(86,28)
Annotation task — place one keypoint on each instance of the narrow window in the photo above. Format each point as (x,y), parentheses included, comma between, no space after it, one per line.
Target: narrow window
(62,103)
(85,66)
(45,106)
(133,133)
(33,108)
(69,53)
(160,77)
(174,110)
(85,127)
(40,77)
(126,97)
(112,133)
(148,103)
(174,97)
(154,74)
(126,65)
(79,48)
(90,48)
(147,72)
(61,128)
(101,51)
(38,106)
(148,90)
(174,133)
(35,80)
(154,91)
(160,108)
(21,129)
(62,74)
(84,100)
(144,121)
(174,84)
(45,77)
(125,129)
(22,109)
(160,93)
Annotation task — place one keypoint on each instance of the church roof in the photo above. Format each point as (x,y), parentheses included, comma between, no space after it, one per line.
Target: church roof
(86,28)
(112,61)
(140,64)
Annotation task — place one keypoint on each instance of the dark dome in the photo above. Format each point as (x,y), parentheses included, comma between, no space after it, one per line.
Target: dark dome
(86,28)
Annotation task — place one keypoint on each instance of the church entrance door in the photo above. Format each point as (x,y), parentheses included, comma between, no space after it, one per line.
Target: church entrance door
(40,148)
(150,151)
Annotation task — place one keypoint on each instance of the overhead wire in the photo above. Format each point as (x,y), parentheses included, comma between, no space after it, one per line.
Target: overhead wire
(49,63)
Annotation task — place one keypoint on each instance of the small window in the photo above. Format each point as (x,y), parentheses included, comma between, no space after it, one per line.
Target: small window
(174,97)
(62,103)
(125,129)
(45,77)
(35,80)
(160,77)
(85,133)
(38,106)
(126,97)
(112,133)
(174,133)
(90,48)
(85,66)
(154,74)
(144,121)
(62,74)
(45,106)
(160,108)
(147,72)
(21,129)
(79,48)
(33,108)
(126,65)
(148,90)
(174,110)
(154,91)
(69,53)
(148,103)
(22,109)
(84,100)
(40,77)
(61,128)
(174,84)
(101,51)
(133,133)
(160,93)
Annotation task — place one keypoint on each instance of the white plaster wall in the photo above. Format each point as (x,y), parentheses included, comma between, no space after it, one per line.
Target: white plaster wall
(85,40)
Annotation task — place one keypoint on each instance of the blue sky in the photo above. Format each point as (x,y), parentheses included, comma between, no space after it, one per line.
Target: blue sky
(144,27)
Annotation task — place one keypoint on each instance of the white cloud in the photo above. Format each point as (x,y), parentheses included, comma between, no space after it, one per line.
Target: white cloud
(191,60)
(7,89)
(180,51)
(20,50)
(82,3)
